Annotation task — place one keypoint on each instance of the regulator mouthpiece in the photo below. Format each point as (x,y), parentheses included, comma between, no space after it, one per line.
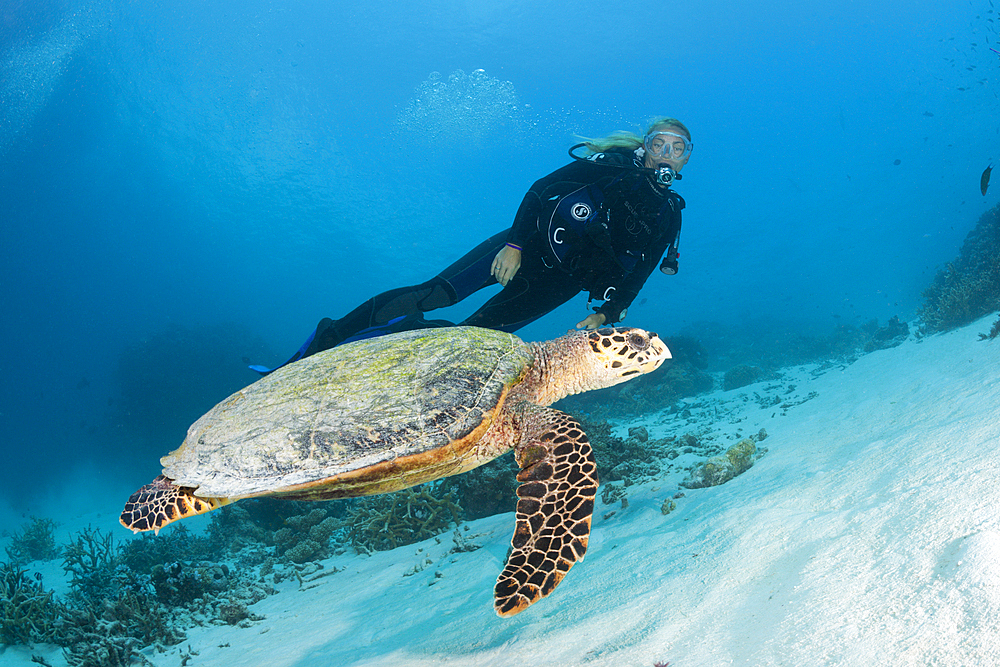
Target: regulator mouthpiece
(665,175)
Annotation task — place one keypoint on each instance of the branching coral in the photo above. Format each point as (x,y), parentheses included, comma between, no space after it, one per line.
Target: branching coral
(28,613)
(142,553)
(90,560)
(35,541)
(124,598)
(103,645)
(386,522)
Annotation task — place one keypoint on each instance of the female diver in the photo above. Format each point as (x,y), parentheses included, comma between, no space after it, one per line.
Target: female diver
(600,224)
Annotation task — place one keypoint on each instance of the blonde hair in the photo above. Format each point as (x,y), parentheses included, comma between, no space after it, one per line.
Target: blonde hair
(629,140)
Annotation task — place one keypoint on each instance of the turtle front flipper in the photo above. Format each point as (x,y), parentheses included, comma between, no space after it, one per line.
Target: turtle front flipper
(161,502)
(555,502)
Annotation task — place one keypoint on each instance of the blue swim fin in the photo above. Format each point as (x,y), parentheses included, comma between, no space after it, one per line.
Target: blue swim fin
(264,370)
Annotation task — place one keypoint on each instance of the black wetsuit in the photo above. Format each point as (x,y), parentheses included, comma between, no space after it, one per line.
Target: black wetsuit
(591,225)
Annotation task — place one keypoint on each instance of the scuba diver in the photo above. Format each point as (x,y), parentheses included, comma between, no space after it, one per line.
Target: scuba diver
(599,224)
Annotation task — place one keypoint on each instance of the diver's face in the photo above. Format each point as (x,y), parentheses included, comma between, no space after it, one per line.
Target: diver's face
(652,162)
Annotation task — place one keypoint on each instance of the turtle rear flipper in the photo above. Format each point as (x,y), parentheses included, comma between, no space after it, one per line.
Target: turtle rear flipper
(555,502)
(161,502)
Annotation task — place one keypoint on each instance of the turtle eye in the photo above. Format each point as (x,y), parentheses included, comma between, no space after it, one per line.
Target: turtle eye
(638,341)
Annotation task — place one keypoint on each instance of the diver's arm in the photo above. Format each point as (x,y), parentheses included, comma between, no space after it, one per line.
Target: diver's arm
(525,221)
(626,291)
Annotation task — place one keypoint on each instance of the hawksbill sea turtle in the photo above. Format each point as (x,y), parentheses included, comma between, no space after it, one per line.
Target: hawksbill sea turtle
(384,414)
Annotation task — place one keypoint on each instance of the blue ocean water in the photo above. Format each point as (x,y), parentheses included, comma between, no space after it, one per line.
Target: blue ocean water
(187,187)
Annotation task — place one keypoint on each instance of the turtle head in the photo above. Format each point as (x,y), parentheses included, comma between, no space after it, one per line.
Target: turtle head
(586,360)
(620,354)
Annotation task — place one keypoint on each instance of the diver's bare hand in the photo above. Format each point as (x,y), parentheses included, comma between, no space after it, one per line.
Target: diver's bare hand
(506,264)
(592,321)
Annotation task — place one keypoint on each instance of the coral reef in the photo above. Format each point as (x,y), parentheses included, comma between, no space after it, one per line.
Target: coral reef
(34,541)
(90,640)
(994,331)
(720,469)
(894,333)
(28,613)
(90,561)
(124,597)
(237,528)
(741,376)
(385,522)
(624,460)
(276,531)
(306,537)
(969,287)
(143,552)
(272,532)
(105,648)
(485,491)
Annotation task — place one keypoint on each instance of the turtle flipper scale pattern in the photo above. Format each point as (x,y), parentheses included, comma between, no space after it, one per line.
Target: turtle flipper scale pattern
(161,502)
(555,503)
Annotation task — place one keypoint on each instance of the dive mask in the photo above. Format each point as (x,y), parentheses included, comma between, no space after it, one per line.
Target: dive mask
(667,145)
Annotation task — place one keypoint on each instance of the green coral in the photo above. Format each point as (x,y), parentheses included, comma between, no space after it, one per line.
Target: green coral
(618,459)
(124,597)
(720,469)
(385,522)
(28,613)
(994,331)
(35,541)
(90,560)
(146,550)
(306,537)
(106,651)
(894,333)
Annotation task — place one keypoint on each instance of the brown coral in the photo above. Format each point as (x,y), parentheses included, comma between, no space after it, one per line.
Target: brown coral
(969,287)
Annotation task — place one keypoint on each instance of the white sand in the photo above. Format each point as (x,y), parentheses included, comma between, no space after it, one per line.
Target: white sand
(867,535)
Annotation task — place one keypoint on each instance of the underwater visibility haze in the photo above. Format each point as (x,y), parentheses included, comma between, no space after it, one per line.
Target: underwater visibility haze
(186,188)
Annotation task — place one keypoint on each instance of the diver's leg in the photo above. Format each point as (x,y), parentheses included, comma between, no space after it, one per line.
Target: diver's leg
(380,311)
(459,280)
(472,272)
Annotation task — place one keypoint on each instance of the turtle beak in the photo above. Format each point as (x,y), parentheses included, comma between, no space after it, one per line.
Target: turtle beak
(658,350)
